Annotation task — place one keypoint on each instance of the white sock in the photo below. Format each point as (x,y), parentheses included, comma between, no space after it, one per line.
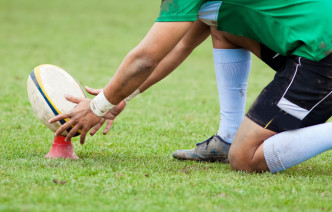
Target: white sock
(290,148)
(232,68)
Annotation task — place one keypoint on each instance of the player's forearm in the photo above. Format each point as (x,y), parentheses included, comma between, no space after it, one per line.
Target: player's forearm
(193,38)
(139,63)
(133,71)
(166,66)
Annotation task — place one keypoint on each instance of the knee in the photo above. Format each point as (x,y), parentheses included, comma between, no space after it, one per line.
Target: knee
(235,161)
(239,161)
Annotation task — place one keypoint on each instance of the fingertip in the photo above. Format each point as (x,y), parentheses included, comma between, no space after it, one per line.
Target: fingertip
(67,96)
(105,131)
(51,120)
(123,103)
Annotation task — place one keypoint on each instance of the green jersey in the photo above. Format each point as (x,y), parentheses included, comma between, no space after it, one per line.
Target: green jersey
(179,10)
(289,27)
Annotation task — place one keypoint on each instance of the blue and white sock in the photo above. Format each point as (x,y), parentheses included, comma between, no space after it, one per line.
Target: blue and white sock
(290,148)
(232,67)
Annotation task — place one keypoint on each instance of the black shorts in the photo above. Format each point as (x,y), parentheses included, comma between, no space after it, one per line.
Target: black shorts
(300,94)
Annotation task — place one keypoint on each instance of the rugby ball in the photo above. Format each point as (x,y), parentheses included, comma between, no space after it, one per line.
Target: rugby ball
(47,85)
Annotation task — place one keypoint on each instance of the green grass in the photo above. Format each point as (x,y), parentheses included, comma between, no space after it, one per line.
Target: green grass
(131,169)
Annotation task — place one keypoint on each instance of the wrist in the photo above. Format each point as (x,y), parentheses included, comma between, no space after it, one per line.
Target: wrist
(131,96)
(100,105)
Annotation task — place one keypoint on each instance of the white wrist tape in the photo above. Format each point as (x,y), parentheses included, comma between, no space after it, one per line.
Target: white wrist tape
(100,105)
(135,93)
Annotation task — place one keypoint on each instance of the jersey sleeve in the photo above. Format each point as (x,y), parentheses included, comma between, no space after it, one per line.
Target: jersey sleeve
(179,10)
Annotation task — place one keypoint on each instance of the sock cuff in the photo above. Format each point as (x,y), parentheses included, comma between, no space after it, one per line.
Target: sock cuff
(271,156)
(231,55)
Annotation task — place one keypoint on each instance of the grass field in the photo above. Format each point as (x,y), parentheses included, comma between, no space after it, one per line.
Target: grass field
(132,168)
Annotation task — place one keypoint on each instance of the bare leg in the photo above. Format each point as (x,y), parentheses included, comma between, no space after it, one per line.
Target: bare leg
(246,152)
(232,66)
(256,149)
(225,40)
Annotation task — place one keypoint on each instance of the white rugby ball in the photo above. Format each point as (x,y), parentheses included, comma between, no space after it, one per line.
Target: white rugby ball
(47,85)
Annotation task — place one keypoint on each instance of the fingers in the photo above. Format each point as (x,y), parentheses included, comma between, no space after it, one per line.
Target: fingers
(115,111)
(92,90)
(59,117)
(97,127)
(72,132)
(73,99)
(65,115)
(80,118)
(109,124)
(119,108)
(109,115)
(63,128)
(83,136)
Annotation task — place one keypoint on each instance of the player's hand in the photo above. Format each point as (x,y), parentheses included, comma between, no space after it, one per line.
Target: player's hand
(92,91)
(80,118)
(110,116)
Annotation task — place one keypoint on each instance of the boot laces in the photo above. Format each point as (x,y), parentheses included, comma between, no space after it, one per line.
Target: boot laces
(207,142)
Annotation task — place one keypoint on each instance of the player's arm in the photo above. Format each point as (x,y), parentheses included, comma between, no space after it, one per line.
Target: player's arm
(139,63)
(193,38)
(133,71)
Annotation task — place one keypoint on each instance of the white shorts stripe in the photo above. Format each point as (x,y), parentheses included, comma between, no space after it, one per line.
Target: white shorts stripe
(292,109)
